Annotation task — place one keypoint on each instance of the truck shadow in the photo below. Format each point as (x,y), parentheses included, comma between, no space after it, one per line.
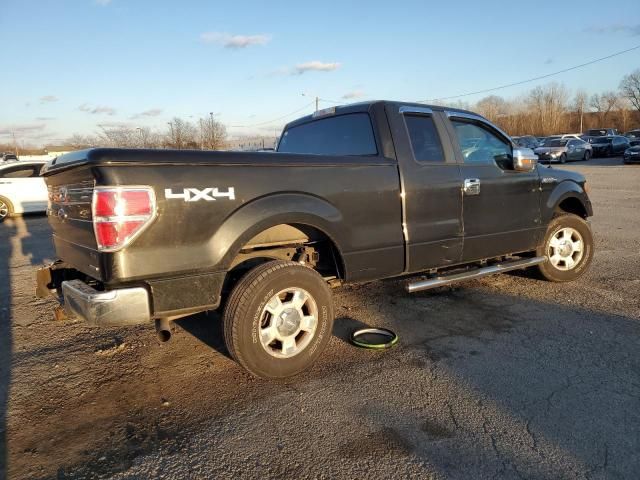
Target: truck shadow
(7,232)
(208,328)
(22,238)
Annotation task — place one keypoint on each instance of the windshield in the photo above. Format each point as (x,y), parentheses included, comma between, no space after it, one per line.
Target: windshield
(596,133)
(602,140)
(555,143)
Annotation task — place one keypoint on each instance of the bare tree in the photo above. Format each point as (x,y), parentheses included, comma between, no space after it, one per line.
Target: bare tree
(492,107)
(624,113)
(604,103)
(213,134)
(181,134)
(630,88)
(579,104)
(549,105)
(118,137)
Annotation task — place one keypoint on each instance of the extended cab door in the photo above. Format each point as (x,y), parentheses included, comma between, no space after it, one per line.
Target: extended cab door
(501,206)
(430,188)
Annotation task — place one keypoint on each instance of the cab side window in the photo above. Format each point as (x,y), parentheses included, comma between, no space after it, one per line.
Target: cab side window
(480,146)
(23,171)
(425,141)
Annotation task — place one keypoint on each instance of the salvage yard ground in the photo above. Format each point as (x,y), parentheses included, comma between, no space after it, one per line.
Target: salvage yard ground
(508,376)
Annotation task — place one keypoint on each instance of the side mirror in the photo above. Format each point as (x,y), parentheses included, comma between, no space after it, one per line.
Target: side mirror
(524,160)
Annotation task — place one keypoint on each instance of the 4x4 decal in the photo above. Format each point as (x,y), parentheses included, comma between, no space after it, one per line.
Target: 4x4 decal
(195,194)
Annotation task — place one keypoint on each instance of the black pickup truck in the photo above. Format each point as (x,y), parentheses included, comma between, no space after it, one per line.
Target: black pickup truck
(352,194)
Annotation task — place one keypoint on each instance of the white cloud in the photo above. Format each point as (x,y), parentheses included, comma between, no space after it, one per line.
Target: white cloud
(115,125)
(315,66)
(353,94)
(633,30)
(102,3)
(97,110)
(45,119)
(48,99)
(153,112)
(234,41)
(22,129)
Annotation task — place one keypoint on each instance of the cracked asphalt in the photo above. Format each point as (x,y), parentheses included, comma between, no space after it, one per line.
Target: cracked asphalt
(505,377)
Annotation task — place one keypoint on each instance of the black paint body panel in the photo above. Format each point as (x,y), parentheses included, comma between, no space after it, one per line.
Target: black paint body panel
(387,214)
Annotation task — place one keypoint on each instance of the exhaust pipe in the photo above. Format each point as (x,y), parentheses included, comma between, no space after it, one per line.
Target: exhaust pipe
(163,329)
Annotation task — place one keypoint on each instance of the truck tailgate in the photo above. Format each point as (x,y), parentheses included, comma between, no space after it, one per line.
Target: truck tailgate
(69,211)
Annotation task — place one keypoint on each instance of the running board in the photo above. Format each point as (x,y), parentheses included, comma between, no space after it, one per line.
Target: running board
(443,280)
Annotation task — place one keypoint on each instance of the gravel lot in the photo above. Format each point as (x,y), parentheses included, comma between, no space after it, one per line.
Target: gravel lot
(507,377)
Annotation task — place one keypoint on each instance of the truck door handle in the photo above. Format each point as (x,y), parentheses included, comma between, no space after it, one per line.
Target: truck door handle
(471,186)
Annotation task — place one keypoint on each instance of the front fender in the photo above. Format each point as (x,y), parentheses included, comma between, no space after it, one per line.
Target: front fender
(265,212)
(562,191)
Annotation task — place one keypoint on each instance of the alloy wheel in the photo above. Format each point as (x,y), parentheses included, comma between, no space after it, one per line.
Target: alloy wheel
(288,322)
(566,248)
(4,210)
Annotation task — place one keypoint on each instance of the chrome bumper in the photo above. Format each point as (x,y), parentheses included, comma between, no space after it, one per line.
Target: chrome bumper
(125,306)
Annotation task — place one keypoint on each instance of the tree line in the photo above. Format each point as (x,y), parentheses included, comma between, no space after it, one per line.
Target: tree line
(206,134)
(551,109)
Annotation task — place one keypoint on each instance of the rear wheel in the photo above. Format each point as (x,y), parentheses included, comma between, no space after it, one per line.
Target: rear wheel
(6,209)
(278,319)
(568,246)
(587,155)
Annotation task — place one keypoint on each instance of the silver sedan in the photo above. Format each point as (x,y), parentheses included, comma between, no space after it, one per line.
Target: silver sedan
(562,150)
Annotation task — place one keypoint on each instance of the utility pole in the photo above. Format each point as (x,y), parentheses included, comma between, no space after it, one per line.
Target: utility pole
(317,99)
(141,136)
(171,126)
(15,144)
(210,134)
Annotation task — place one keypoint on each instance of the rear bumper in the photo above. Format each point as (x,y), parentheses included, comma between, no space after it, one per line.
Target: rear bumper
(124,306)
(127,305)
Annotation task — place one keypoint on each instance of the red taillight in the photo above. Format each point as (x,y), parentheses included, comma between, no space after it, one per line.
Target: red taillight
(120,214)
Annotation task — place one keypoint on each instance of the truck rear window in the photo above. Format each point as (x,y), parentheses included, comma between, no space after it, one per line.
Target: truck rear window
(350,134)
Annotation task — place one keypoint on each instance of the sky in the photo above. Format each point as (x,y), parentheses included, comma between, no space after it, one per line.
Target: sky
(72,66)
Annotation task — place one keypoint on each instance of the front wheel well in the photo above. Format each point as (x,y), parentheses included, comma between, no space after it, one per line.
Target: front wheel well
(572,205)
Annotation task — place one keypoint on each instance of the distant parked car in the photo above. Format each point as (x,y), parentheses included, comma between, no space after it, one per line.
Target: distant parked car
(607,146)
(634,142)
(22,189)
(601,132)
(526,141)
(562,150)
(9,157)
(632,154)
(631,134)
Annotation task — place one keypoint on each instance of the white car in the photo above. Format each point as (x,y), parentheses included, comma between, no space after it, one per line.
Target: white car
(22,189)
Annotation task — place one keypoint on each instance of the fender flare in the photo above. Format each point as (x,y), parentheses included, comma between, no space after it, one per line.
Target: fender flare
(564,190)
(285,208)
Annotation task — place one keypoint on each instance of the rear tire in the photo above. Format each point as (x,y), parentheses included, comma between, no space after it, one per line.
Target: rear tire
(278,319)
(587,155)
(568,246)
(6,209)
